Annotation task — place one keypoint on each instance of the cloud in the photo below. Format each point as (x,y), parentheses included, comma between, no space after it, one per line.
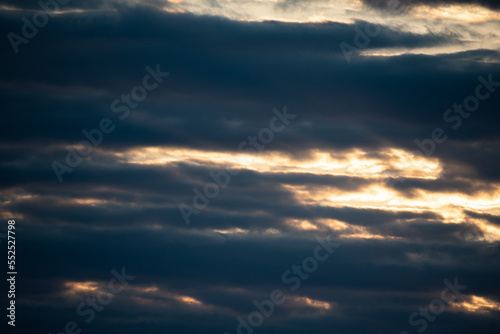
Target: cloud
(396,4)
(324,175)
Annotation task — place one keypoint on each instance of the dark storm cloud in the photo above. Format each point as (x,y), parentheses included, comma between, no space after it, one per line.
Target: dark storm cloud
(81,4)
(225,79)
(54,97)
(357,279)
(448,182)
(388,4)
(494,219)
(221,56)
(397,5)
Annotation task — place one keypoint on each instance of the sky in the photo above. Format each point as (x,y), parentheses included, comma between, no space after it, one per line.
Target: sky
(245,167)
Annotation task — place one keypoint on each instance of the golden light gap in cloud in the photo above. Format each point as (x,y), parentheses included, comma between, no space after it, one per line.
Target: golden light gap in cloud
(351,163)
(475,304)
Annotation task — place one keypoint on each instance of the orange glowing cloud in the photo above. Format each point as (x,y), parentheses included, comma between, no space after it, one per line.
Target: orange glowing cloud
(351,163)
(73,288)
(314,303)
(476,304)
